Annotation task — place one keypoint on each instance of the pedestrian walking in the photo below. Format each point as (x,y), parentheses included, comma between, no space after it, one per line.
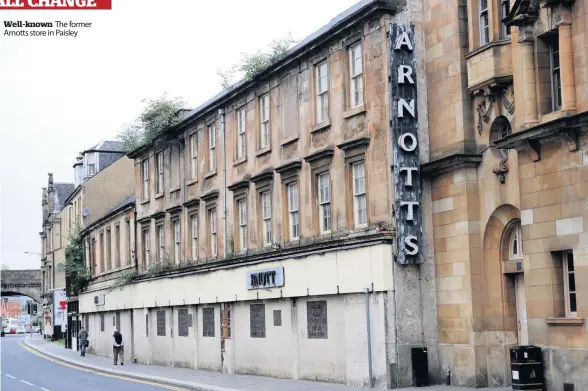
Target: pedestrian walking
(83,338)
(118,347)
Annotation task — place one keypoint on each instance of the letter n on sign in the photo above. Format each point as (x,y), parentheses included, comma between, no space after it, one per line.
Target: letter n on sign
(405,126)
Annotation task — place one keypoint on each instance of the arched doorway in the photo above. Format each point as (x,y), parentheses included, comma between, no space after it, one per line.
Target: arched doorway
(502,263)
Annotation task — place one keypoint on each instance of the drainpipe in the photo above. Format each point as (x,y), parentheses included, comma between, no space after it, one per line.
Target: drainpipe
(369,335)
(221,113)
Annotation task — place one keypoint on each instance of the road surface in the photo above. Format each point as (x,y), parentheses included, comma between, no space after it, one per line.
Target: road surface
(23,370)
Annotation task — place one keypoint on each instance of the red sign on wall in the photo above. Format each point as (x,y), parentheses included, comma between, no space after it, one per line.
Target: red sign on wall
(63,305)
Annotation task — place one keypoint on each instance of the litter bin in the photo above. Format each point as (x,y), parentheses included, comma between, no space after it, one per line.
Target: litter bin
(526,364)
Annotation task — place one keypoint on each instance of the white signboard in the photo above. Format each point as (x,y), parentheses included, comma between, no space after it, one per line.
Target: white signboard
(60,301)
(266,278)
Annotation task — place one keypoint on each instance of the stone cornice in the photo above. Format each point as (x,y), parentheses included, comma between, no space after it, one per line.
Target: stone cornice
(174,209)
(362,142)
(267,174)
(244,184)
(450,163)
(567,128)
(325,153)
(192,202)
(211,195)
(292,166)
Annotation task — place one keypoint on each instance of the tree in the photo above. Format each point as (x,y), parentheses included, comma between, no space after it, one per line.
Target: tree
(252,64)
(157,116)
(76,273)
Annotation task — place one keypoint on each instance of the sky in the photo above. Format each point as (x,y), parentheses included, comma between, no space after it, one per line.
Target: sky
(61,95)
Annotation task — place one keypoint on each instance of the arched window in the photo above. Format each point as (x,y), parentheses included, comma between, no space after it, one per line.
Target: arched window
(515,243)
(500,129)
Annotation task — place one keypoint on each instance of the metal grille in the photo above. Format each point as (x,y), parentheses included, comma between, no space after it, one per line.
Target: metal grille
(101,322)
(183,322)
(118,321)
(257,320)
(146,325)
(208,322)
(161,323)
(277,317)
(316,319)
(87,319)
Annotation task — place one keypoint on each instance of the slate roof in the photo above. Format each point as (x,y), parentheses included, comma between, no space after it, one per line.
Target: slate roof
(107,146)
(126,202)
(62,193)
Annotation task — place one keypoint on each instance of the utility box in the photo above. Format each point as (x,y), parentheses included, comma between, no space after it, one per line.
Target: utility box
(420,367)
(526,363)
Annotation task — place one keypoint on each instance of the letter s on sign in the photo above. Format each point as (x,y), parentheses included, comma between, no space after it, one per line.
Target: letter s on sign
(411,241)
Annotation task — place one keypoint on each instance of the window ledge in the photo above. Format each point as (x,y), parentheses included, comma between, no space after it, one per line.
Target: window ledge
(353,112)
(210,174)
(192,181)
(145,201)
(174,189)
(491,44)
(320,126)
(240,161)
(289,140)
(564,321)
(158,195)
(263,151)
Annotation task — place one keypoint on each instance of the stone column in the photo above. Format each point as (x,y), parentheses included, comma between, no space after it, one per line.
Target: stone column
(527,58)
(566,64)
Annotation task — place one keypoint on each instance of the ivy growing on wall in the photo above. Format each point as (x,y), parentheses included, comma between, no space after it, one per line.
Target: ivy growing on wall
(76,273)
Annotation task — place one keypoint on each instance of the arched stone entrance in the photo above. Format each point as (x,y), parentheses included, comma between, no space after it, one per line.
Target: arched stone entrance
(498,271)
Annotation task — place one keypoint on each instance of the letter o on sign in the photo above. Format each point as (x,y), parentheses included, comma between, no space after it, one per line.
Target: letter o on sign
(402,142)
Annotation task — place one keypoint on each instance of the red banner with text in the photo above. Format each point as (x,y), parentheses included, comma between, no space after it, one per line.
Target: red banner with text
(55,5)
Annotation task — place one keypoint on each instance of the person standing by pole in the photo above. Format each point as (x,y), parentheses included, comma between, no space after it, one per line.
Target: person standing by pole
(118,347)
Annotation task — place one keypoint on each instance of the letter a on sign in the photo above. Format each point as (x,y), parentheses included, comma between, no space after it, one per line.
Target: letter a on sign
(405,141)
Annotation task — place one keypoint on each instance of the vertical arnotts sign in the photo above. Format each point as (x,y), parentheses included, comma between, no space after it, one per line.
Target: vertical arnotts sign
(407,179)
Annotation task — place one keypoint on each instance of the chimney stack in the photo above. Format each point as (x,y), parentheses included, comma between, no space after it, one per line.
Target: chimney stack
(50,183)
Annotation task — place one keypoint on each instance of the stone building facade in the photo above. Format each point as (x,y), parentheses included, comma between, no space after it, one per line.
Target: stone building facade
(508,185)
(265,237)
(277,217)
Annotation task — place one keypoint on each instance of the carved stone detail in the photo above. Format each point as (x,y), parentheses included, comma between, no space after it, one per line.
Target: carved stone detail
(509,106)
(483,110)
(500,169)
(570,136)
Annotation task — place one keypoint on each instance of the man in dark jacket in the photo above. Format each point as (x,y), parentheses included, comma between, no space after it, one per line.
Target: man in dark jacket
(118,347)
(83,338)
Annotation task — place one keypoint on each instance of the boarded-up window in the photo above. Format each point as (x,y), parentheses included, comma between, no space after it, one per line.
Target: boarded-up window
(161,323)
(316,319)
(277,317)
(118,321)
(183,322)
(208,322)
(101,322)
(257,320)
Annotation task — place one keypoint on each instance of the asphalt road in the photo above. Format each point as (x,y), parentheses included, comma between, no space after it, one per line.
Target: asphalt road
(22,370)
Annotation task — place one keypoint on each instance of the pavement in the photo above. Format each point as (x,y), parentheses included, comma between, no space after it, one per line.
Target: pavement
(159,376)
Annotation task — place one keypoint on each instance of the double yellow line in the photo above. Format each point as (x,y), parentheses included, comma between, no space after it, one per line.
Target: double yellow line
(65,364)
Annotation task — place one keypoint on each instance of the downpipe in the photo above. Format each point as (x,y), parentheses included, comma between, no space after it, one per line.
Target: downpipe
(221,113)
